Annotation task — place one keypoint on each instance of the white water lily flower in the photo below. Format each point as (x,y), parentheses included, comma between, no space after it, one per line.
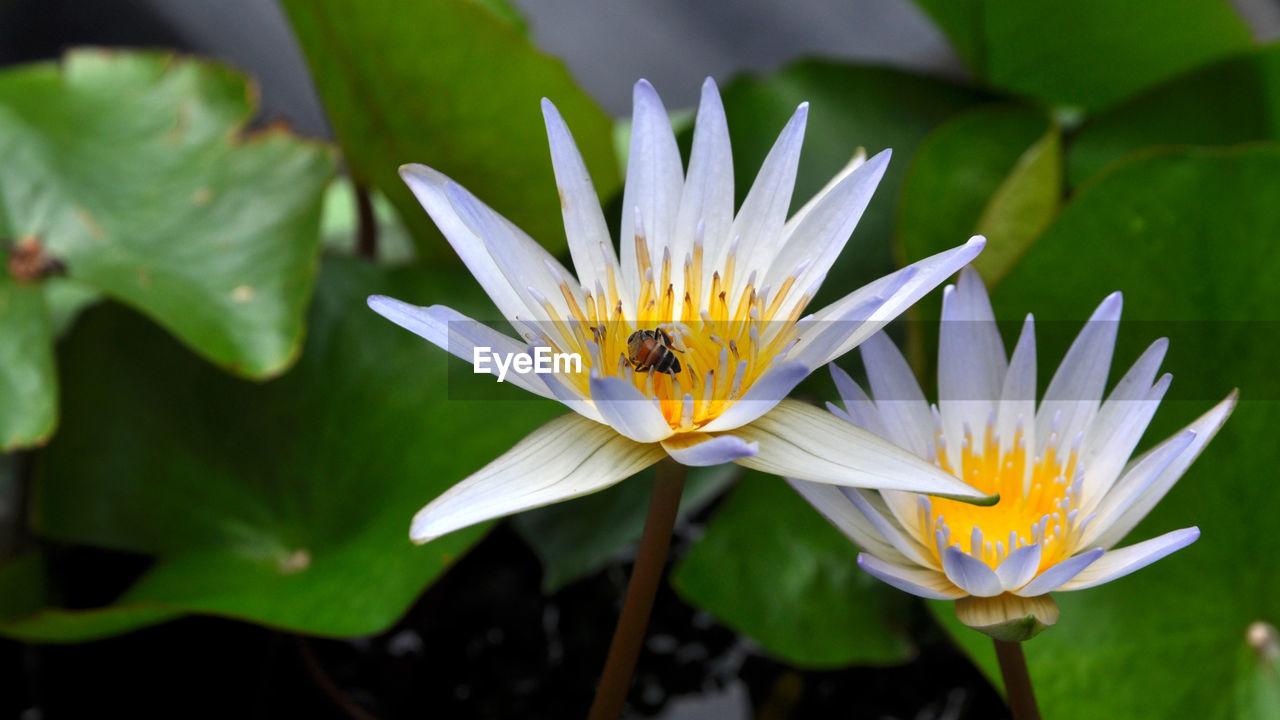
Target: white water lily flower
(1068,491)
(730,292)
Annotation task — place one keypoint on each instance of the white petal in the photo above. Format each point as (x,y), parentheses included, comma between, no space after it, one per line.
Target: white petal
(766,392)
(590,244)
(821,338)
(926,275)
(628,410)
(655,178)
(758,225)
(970,574)
(1205,427)
(840,512)
(929,584)
(854,163)
(1076,388)
(1019,567)
(819,237)
(903,543)
(1135,481)
(1118,563)
(971,360)
(901,402)
(701,449)
(1018,393)
(1057,575)
(428,186)
(458,334)
(800,441)
(708,189)
(1121,420)
(862,411)
(567,457)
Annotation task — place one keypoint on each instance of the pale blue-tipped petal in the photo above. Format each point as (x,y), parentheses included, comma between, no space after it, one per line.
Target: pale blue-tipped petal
(925,275)
(970,574)
(1057,575)
(1118,563)
(590,244)
(819,237)
(708,190)
(1134,483)
(1205,427)
(800,441)
(701,449)
(898,396)
(628,410)
(971,359)
(1018,392)
(459,335)
(568,457)
(835,506)
(819,339)
(794,221)
(758,225)
(429,187)
(861,410)
(929,584)
(761,397)
(1074,393)
(1120,423)
(903,543)
(1019,567)
(655,181)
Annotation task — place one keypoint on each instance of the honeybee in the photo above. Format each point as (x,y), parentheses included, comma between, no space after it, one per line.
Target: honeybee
(652,350)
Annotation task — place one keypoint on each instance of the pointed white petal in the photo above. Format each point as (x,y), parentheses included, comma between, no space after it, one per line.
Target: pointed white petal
(758,225)
(901,402)
(819,237)
(701,449)
(567,457)
(708,189)
(1118,563)
(854,163)
(655,179)
(1018,393)
(1057,575)
(971,359)
(925,276)
(840,512)
(628,410)
(459,335)
(969,573)
(590,244)
(1135,481)
(1205,427)
(761,397)
(820,339)
(1076,389)
(929,584)
(800,441)
(903,543)
(861,411)
(1019,567)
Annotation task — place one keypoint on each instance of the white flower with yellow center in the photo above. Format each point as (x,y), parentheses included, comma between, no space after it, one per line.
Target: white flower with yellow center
(728,292)
(1068,490)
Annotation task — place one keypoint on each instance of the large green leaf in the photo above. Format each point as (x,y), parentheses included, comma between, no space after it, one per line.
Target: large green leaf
(850,107)
(1234,101)
(1087,53)
(772,568)
(133,169)
(450,84)
(1190,237)
(286,504)
(28,386)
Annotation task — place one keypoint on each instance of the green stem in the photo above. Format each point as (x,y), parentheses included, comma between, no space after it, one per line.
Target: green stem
(628,636)
(367,225)
(1017,681)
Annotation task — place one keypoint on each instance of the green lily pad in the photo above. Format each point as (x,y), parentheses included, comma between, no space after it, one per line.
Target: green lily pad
(28,381)
(1189,237)
(1088,53)
(453,85)
(286,504)
(772,568)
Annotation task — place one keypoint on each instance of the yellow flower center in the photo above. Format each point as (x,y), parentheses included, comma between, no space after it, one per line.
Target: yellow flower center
(1038,499)
(723,339)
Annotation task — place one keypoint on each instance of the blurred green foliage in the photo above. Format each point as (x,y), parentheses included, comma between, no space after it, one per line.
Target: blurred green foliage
(1100,146)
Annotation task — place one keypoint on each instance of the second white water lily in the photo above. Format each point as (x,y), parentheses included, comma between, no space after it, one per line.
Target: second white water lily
(728,291)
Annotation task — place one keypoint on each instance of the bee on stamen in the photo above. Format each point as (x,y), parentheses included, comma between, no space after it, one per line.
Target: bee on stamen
(653,350)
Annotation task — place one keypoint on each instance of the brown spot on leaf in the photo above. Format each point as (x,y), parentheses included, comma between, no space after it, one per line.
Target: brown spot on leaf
(202,196)
(28,261)
(564,202)
(242,293)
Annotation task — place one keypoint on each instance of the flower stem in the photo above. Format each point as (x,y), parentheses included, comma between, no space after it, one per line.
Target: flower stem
(628,636)
(367,227)
(1017,681)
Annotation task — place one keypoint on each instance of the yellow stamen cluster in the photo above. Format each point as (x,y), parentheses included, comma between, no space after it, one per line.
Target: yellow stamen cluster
(1038,499)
